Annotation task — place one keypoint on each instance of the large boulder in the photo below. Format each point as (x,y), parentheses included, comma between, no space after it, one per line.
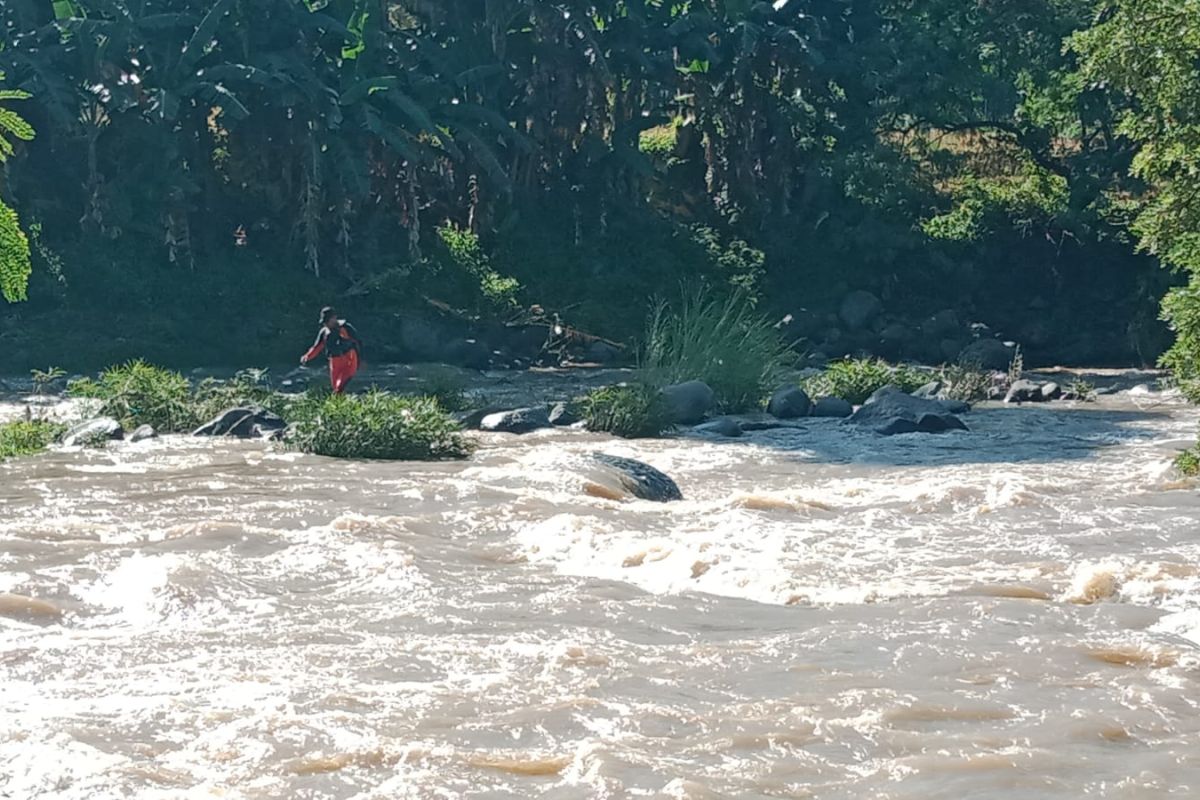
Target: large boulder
(859,309)
(97,430)
(690,402)
(789,402)
(988,354)
(620,478)
(248,422)
(520,420)
(891,411)
(834,407)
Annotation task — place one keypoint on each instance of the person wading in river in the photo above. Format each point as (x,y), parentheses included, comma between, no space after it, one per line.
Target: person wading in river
(341,344)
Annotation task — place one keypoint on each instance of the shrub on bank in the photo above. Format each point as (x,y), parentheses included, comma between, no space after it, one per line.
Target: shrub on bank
(965,382)
(375,425)
(26,438)
(632,412)
(138,393)
(1188,462)
(724,343)
(856,379)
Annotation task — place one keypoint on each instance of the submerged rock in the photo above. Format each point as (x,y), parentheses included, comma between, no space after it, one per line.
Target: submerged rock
(143,433)
(618,478)
(563,415)
(890,411)
(789,402)
(97,430)
(249,422)
(520,420)
(689,403)
(724,426)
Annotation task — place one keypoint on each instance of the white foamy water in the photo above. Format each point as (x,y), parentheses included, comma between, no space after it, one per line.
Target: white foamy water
(1009,613)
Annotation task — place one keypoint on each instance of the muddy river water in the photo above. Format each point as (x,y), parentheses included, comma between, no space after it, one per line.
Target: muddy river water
(1012,612)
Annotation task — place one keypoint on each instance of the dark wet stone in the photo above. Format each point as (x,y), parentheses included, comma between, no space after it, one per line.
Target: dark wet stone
(633,478)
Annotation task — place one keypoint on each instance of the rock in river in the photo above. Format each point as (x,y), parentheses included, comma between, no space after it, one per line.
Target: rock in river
(832,407)
(619,478)
(689,403)
(891,411)
(143,433)
(249,422)
(521,420)
(789,402)
(97,430)
(722,426)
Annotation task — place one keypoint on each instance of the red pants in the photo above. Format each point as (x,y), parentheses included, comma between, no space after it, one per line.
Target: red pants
(341,369)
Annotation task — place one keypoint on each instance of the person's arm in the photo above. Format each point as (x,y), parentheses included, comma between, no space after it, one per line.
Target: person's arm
(317,347)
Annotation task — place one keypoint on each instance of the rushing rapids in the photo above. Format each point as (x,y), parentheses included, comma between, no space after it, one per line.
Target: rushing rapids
(1012,612)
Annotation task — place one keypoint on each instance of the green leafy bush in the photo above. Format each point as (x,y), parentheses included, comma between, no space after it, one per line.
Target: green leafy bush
(138,393)
(1188,462)
(376,425)
(633,412)
(26,438)
(856,379)
(724,343)
(1181,309)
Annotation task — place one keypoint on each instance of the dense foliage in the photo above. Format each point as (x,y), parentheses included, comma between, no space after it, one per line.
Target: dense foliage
(138,393)
(854,380)
(586,156)
(25,438)
(15,266)
(632,412)
(376,425)
(1148,50)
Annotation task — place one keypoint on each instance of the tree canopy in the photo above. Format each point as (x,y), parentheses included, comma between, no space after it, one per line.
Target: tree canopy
(579,154)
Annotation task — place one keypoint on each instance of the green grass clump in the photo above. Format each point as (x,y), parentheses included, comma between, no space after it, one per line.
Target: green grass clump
(376,425)
(138,393)
(723,342)
(856,379)
(1188,462)
(632,412)
(25,438)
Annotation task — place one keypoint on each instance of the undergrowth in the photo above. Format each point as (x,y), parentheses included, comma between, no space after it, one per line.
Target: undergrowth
(632,412)
(375,425)
(856,379)
(25,438)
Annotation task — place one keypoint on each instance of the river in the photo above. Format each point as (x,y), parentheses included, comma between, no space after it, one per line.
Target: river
(1012,612)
